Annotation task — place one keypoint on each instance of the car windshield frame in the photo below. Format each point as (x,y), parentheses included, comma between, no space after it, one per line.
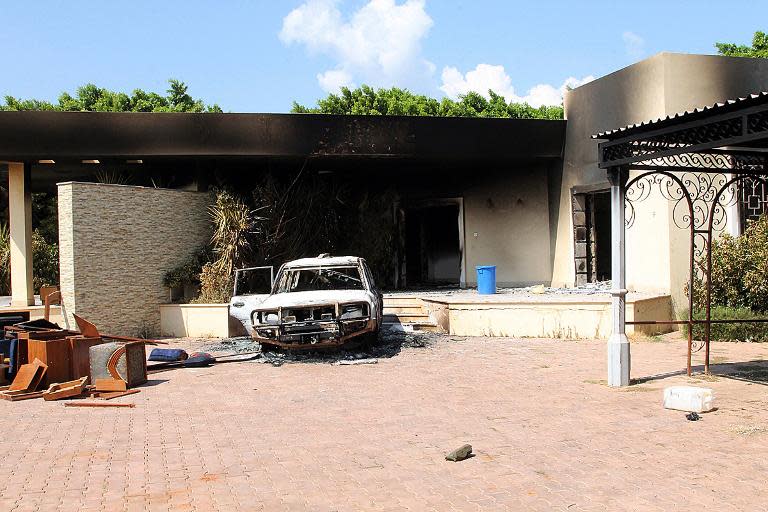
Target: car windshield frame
(290,279)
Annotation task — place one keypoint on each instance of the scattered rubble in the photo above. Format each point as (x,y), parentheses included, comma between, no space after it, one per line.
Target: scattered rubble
(345,362)
(748,430)
(389,345)
(45,361)
(599,288)
(237,345)
(459,454)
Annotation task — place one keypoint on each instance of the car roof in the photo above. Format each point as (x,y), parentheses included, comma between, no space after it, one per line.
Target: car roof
(328,261)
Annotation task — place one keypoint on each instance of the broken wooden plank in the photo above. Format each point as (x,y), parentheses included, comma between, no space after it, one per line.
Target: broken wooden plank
(115,394)
(96,404)
(90,330)
(29,376)
(15,396)
(110,385)
(65,389)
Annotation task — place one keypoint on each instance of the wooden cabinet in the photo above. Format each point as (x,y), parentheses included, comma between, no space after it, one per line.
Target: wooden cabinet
(79,348)
(56,354)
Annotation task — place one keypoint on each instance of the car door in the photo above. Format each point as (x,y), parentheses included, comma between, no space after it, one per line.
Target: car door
(252,286)
(376,292)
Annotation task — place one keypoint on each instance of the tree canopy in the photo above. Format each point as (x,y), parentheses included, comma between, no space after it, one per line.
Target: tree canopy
(759,47)
(96,99)
(400,102)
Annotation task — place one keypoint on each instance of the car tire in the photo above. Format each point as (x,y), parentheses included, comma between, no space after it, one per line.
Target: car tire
(370,340)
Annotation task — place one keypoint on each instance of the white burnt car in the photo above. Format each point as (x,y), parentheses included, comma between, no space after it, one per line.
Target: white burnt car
(314,303)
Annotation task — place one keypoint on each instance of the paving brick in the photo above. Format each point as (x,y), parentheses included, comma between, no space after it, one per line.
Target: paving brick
(547,435)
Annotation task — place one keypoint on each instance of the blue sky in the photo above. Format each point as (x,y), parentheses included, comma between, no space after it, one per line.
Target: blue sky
(259,56)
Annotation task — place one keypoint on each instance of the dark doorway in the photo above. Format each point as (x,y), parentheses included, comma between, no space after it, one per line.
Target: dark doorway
(432,245)
(592,236)
(601,218)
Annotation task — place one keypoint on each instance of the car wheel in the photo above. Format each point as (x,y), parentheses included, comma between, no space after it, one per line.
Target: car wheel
(370,340)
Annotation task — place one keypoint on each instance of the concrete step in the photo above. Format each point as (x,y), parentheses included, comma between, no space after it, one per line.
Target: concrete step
(406,317)
(402,300)
(411,326)
(395,309)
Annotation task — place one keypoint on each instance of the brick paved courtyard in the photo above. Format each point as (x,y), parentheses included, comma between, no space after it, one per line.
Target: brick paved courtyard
(547,433)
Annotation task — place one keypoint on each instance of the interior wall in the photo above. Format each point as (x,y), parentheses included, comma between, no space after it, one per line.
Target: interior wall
(506,223)
(444,254)
(116,243)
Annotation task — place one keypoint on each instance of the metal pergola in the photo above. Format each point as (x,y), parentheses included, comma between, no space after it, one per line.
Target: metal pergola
(704,161)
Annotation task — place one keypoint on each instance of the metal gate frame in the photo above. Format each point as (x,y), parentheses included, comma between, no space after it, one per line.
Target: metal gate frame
(696,159)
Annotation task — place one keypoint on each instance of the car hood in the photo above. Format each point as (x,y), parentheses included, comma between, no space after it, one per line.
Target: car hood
(293,299)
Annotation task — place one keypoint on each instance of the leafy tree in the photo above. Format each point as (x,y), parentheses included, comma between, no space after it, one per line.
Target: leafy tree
(89,97)
(400,102)
(96,99)
(759,47)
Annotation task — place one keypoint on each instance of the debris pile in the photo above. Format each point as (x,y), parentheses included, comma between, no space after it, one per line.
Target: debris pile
(42,360)
(390,344)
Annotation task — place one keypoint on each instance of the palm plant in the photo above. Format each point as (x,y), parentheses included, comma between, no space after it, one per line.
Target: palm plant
(233,223)
(5,260)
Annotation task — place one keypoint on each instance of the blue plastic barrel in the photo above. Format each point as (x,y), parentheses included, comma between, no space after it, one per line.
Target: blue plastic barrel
(486,279)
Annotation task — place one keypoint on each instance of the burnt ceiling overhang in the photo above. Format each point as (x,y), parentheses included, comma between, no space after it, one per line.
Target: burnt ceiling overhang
(74,136)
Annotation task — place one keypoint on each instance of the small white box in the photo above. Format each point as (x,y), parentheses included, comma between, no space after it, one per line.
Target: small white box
(689,398)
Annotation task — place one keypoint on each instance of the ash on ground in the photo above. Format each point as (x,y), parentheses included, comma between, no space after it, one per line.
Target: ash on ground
(597,288)
(390,344)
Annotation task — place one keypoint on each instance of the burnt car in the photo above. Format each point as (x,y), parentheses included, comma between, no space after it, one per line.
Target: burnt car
(317,303)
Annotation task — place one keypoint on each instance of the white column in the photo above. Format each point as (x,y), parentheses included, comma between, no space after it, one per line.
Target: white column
(618,344)
(20,212)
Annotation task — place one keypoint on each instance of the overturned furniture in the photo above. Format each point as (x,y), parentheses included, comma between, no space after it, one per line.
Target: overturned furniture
(125,362)
(63,362)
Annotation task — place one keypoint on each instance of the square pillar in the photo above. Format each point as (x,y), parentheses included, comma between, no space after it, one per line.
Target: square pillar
(20,213)
(619,359)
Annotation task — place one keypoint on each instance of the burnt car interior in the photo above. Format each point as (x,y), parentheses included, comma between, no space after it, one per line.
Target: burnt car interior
(320,279)
(253,280)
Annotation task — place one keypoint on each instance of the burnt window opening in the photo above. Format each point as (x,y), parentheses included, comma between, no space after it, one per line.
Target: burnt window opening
(592,236)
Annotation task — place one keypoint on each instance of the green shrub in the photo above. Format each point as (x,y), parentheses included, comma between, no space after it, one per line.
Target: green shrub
(739,270)
(754,332)
(215,285)
(5,260)
(45,261)
(188,273)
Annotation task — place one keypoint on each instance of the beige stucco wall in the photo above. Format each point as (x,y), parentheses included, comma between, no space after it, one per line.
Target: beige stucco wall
(194,320)
(567,317)
(116,244)
(667,83)
(506,223)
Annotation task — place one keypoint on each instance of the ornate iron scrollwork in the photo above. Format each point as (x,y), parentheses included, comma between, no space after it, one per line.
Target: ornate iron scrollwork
(691,192)
(675,139)
(757,122)
(701,204)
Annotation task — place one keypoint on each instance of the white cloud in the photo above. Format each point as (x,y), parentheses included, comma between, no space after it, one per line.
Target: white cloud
(634,45)
(379,44)
(334,79)
(487,76)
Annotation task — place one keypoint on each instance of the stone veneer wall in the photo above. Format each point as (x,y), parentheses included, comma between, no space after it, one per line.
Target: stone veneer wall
(116,243)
